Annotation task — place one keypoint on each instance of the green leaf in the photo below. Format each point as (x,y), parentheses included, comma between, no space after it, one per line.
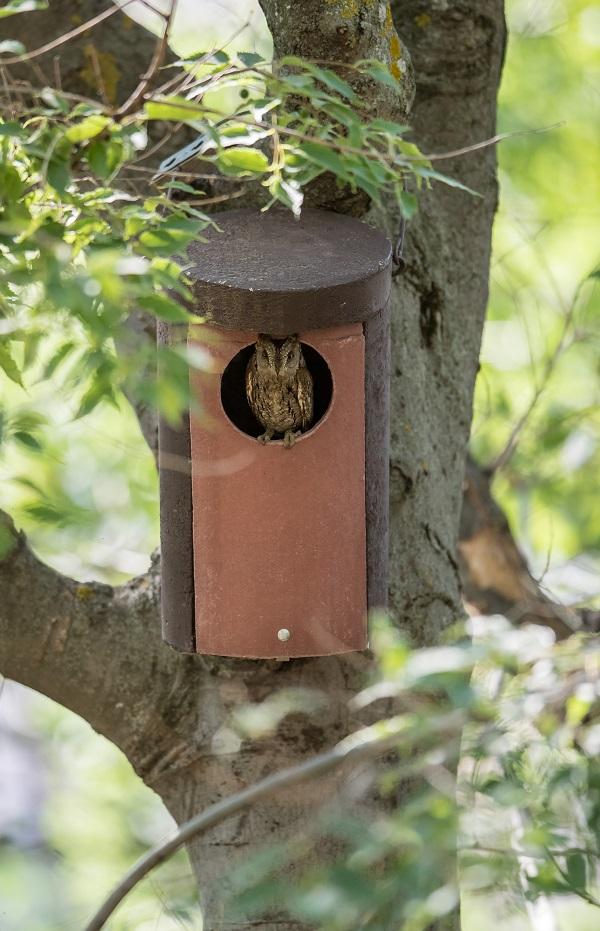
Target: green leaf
(325,75)
(31,345)
(99,391)
(287,193)
(243,160)
(326,158)
(46,513)
(221,57)
(408,204)
(185,188)
(176,109)
(165,308)
(11,184)
(104,157)
(430,174)
(577,870)
(22,6)
(172,235)
(59,174)
(334,82)
(9,366)
(11,129)
(88,128)
(65,350)
(378,72)
(28,440)
(387,126)
(413,152)
(249,59)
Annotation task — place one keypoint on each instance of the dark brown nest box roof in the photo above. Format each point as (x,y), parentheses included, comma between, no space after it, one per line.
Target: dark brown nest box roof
(269,272)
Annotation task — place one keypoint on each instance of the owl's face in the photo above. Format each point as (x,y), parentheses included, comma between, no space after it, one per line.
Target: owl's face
(265,355)
(290,356)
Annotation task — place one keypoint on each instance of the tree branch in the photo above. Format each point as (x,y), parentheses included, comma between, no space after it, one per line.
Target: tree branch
(550,365)
(66,37)
(365,744)
(97,650)
(494,572)
(157,59)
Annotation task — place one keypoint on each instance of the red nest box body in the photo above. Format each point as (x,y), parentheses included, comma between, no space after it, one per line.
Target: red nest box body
(270,551)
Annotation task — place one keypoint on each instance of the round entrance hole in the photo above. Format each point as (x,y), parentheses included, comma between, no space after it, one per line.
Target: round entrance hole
(233,389)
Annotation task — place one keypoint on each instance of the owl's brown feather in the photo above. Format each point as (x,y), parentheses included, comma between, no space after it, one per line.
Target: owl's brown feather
(250,381)
(305,395)
(279,388)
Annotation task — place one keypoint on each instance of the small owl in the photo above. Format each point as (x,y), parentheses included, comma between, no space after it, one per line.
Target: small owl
(279,388)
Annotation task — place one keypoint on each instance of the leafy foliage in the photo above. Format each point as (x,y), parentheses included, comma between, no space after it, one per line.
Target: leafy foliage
(520,714)
(82,246)
(541,340)
(90,236)
(74,182)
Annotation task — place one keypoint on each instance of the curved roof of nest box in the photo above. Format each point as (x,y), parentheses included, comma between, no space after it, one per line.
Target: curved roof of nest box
(270,272)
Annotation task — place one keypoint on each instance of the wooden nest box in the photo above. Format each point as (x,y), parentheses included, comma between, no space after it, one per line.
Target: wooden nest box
(279,548)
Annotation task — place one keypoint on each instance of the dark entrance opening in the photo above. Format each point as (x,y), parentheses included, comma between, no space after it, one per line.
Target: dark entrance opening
(233,389)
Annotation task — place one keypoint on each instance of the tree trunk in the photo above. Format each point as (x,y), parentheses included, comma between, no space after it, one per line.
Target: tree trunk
(170,713)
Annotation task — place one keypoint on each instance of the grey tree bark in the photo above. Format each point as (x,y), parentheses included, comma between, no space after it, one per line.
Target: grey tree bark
(97,650)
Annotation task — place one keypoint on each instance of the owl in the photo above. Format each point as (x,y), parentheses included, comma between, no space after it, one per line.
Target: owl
(279,388)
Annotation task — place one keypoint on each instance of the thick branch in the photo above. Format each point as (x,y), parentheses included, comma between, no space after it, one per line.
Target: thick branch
(494,572)
(96,650)
(341,32)
(366,744)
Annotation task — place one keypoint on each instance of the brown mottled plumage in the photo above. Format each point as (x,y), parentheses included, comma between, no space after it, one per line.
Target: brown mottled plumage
(279,388)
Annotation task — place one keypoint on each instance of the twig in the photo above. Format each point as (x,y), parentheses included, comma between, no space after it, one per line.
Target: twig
(157,59)
(365,744)
(494,140)
(188,79)
(353,150)
(6,85)
(24,90)
(582,893)
(57,74)
(97,69)
(158,145)
(178,174)
(67,36)
(505,455)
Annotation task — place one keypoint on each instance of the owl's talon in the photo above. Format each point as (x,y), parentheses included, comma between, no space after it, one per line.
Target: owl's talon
(266,437)
(289,438)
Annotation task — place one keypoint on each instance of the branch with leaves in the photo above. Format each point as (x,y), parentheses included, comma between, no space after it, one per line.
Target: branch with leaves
(485,693)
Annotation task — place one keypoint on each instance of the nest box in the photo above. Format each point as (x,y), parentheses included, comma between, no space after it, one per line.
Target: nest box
(271,550)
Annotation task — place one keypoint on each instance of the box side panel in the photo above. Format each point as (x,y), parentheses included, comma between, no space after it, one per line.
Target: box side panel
(377,441)
(177,568)
(279,534)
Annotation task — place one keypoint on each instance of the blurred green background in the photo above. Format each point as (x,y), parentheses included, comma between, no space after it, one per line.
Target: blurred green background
(73,815)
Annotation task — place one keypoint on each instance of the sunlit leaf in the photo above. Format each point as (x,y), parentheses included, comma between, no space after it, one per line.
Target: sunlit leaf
(177,109)
(243,160)
(22,6)
(88,128)
(9,366)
